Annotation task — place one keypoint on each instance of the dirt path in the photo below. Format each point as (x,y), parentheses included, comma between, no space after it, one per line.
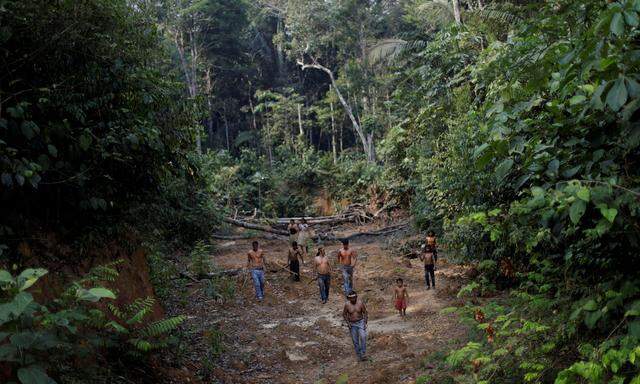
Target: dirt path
(292,337)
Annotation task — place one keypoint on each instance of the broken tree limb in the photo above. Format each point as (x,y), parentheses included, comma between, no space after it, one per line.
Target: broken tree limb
(387,206)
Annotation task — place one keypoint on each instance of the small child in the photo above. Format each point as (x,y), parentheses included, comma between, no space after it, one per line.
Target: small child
(401,297)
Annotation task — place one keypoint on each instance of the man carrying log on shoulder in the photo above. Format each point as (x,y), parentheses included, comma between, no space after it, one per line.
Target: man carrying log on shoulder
(347,258)
(255,264)
(295,258)
(322,267)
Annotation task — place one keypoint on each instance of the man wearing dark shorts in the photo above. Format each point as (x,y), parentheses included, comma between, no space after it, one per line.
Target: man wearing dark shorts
(294,258)
(428,258)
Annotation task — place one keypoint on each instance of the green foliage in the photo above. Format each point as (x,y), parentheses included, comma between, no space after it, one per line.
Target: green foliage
(214,338)
(136,335)
(90,117)
(221,288)
(39,335)
(161,271)
(343,379)
(201,259)
(41,338)
(521,142)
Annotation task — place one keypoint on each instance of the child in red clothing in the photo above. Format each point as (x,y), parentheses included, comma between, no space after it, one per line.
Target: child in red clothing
(401,297)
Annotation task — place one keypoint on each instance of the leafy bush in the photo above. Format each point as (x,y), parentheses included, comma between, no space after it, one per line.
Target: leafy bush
(90,123)
(38,339)
(201,259)
(523,145)
(132,331)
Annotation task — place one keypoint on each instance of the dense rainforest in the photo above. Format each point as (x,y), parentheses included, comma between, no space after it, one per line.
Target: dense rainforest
(132,131)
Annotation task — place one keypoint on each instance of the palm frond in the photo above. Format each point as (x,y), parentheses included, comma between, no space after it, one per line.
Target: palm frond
(385,50)
(437,12)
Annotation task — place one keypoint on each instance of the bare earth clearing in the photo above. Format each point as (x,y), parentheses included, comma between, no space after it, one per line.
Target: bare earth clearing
(292,338)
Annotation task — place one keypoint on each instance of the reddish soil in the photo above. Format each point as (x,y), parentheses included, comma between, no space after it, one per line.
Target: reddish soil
(292,338)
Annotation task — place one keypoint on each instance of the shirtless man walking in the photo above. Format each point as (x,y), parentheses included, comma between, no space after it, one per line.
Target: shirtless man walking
(255,264)
(295,258)
(322,267)
(347,258)
(356,316)
(429,267)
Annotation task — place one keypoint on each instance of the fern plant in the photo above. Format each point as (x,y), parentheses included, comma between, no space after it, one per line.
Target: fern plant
(136,337)
(34,337)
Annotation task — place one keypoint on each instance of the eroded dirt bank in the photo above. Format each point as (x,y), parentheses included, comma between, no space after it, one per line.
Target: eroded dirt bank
(292,338)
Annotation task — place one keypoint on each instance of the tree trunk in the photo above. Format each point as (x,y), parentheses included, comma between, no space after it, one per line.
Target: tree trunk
(257,227)
(371,153)
(226,131)
(300,120)
(269,149)
(280,51)
(209,90)
(189,72)
(344,103)
(194,81)
(333,134)
(341,138)
(456,11)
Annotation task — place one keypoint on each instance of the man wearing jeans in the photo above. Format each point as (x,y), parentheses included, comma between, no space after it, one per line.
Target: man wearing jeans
(323,269)
(255,264)
(356,316)
(347,258)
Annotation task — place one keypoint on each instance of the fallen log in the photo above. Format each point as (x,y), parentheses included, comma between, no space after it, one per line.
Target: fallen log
(211,275)
(379,232)
(256,227)
(283,221)
(265,236)
(338,219)
(321,236)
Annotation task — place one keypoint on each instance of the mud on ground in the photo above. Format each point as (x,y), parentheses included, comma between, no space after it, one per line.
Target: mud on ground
(291,337)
